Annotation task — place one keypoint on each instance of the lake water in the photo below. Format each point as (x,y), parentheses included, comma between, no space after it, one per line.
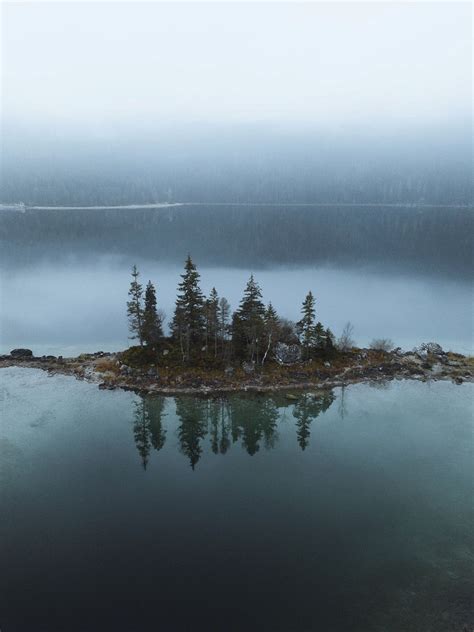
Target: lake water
(347,511)
(75,306)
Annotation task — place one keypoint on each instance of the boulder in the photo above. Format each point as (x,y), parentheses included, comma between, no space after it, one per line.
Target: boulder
(287,354)
(432,348)
(21,353)
(248,367)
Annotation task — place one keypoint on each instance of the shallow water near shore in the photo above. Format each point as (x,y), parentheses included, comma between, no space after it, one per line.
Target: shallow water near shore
(344,510)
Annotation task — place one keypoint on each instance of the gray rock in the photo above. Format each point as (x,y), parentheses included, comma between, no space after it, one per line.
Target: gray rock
(21,353)
(426,348)
(229,370)
(165,352)
(287,354)
(327,364)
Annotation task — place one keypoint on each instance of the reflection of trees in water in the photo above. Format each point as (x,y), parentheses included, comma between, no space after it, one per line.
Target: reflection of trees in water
(148,427)
(254,419)
(306,409)
(342,409)
(219,425)
(251,420)
(192,412)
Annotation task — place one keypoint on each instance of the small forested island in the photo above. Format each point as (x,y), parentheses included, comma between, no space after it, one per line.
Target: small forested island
(209,349)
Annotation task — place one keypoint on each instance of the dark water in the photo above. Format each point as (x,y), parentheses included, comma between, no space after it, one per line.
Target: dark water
(339,511)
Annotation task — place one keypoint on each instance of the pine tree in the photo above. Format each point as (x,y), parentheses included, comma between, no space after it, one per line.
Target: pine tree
(211,309)
(188,325)
(330,340)
(152,327)
(271,327)
(135,308)
(319,335)
(306,327)
(223,324)
(248,322)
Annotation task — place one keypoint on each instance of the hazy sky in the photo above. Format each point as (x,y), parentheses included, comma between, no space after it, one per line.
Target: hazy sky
(323,63)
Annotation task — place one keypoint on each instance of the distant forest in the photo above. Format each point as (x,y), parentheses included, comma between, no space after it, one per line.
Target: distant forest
(434,240)
(238,164)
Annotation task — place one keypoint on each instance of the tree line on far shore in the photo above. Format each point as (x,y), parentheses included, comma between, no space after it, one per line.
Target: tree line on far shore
(205,326)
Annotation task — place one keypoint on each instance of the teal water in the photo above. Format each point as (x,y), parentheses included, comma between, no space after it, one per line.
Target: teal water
(344,510)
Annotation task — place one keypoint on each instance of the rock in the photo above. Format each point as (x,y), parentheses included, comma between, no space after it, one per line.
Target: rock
(327,364)
(291,397)
(152,373)
(165,352)
(458,380)
(229,371)
(287,354)
(426,348)
(21,353)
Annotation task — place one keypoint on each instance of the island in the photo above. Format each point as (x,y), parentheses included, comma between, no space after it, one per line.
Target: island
(209,350)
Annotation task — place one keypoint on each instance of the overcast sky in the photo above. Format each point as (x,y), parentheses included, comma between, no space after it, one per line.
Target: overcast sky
(154,63)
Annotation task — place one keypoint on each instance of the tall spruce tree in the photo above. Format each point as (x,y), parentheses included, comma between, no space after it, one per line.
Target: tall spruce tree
(271,326)
(135,307)
(188,325)
(306,326)
(223,324)
(248,322)
(211,310)
(152,327)
(319,335)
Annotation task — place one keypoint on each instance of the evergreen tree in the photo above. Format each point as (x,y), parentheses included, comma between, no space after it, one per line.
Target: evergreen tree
(330,340)
(305,327)
(135,307)
(319,336)
(271,325)
(248,322)
(188,325)
(211,309)
(223,321)
(152,328)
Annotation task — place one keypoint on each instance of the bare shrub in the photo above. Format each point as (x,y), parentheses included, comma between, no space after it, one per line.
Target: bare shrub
(382,344)
(345,341)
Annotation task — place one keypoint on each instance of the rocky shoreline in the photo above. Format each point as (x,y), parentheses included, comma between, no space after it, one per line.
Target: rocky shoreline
(108,371)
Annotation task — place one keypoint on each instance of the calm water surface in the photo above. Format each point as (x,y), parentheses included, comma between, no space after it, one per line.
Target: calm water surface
(73,307)
(345,510)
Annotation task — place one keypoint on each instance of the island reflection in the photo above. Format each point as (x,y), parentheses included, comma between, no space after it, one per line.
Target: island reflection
(223,421)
